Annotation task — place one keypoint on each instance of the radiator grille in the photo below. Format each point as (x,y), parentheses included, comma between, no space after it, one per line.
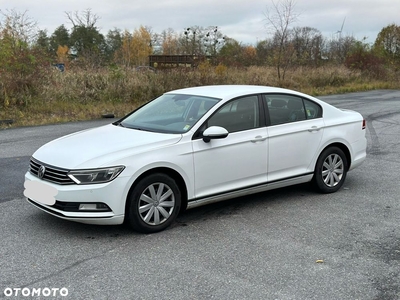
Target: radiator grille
(51,173)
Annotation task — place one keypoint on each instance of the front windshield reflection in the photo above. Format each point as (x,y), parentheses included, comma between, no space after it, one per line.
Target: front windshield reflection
(170,113)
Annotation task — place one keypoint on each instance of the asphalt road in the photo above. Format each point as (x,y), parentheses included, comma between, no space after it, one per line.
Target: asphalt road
(290,243)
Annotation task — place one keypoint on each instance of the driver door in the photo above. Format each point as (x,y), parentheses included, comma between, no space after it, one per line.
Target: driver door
(240,159)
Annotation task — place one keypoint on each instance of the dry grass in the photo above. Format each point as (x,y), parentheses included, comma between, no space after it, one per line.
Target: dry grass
(82,95)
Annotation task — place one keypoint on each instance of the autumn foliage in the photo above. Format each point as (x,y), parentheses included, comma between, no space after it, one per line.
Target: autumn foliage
(101,68)
(21,65)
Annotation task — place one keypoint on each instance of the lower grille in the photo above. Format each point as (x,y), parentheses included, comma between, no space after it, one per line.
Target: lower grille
(51,173)
(66,206)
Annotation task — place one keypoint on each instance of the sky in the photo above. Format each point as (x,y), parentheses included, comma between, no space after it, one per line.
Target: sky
(242,20)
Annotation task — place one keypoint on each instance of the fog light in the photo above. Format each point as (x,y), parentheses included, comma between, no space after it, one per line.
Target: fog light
(87,206)
(94,206)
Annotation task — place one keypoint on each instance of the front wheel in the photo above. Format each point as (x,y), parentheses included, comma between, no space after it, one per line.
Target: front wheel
(154,203)
(331,170)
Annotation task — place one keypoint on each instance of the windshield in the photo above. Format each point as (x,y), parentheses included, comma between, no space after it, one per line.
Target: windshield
(170,113)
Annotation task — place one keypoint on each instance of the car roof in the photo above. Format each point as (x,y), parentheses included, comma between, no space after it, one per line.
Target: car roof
(231,91)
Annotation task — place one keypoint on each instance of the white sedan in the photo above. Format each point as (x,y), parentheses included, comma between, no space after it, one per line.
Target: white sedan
(194,146)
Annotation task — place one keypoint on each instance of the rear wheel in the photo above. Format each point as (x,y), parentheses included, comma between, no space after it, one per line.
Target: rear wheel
(154,203)
(331,170)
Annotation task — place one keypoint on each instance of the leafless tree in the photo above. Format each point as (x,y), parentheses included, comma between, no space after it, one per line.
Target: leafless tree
(18,25)
(308,45)
(84,19)
(86,40)
(279,17)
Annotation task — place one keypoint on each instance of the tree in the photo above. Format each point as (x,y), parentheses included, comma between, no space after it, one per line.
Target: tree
(135,48)
(41,46)
(196,40)
(339,49)
(387,44)
(62,54)
(279,20)
(263,48)
(308,45)
(19,26)
(86,39)
(60,37)
(20,61)
(113,42)
(363,58)
(213,40)
(141,45)
(169,42)
(249,55)
(43,41)
(123,54)
(191,41)
(231,53)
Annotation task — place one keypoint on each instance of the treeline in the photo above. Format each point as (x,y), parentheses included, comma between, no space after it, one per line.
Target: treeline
(27,52)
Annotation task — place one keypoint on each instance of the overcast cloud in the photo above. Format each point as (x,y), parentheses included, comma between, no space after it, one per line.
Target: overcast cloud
(243,20)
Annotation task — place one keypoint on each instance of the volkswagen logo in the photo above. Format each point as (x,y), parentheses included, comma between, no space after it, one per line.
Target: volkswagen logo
(41,171)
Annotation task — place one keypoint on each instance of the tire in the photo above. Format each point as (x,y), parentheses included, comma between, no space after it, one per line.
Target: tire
(153,204)
(330,170)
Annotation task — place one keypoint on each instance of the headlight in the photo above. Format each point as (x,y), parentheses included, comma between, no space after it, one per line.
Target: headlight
(91,176)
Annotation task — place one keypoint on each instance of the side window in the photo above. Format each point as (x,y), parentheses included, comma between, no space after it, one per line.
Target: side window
(313,110)
(285,109)
(237,115)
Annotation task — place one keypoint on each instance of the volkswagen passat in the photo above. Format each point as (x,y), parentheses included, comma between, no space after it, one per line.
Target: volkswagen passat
(191,147)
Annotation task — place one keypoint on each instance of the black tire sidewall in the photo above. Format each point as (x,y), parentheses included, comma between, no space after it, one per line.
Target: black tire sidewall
(318,180)
(134,219)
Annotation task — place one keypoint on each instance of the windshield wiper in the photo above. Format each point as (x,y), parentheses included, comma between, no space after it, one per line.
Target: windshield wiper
(118,123)
(139,128)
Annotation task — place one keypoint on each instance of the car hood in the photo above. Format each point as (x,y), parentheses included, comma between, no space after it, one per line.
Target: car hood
(101,147)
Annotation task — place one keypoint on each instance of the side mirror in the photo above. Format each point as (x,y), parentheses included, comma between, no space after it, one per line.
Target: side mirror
(214,132)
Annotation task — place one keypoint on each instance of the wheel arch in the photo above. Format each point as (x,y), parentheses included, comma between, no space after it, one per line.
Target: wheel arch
(342,147)
(171,173)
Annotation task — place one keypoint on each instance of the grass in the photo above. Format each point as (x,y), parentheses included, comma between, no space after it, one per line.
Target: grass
(84,95)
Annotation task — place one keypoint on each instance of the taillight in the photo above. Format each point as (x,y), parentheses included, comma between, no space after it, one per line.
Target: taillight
(364,124)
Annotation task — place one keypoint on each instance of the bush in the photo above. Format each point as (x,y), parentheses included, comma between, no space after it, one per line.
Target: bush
(78,94)
(366,62)
(22,65)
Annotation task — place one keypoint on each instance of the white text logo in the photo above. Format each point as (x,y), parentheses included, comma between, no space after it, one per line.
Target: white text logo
(32,292)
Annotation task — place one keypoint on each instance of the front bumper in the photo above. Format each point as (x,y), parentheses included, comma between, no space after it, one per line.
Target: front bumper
(113,194)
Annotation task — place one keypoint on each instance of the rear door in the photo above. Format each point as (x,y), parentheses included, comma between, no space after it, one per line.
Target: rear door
(295,131)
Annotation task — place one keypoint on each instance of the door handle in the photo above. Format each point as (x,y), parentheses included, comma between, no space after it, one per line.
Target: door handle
(314,128)
(258,138)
